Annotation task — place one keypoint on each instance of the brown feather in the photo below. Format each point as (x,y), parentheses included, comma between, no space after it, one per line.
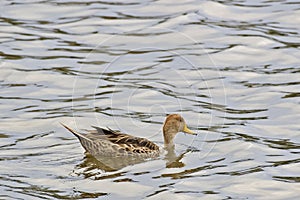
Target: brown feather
(121,143)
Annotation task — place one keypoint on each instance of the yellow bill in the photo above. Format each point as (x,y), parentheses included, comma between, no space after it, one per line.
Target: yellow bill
(187,130)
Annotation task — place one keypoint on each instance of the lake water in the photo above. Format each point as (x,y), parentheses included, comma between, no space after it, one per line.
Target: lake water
(230,68)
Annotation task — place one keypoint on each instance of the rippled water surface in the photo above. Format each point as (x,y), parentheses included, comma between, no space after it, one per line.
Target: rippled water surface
(231,68)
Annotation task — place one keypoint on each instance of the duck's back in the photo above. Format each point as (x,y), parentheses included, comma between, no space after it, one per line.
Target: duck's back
(110,143)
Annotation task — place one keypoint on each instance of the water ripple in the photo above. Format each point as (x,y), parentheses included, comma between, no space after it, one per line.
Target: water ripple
(229,67)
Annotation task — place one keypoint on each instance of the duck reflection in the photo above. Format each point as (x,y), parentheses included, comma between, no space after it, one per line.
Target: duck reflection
(173,160)
(110,164)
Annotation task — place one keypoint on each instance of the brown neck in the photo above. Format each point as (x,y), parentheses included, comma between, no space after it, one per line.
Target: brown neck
(168,139)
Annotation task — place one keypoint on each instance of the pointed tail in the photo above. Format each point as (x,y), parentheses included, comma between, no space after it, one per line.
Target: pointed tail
(78,135)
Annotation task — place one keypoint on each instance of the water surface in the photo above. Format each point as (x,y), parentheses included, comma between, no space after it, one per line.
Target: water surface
(231,68)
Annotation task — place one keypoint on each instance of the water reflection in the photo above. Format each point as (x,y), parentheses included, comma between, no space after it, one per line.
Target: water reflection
(173,160)
(110,164)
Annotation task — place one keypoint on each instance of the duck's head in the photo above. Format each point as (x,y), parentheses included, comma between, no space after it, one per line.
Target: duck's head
(174,123)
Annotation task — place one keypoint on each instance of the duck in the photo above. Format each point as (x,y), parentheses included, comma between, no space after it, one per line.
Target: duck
(105,142)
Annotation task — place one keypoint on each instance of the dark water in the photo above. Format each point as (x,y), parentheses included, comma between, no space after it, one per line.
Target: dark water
(231,68)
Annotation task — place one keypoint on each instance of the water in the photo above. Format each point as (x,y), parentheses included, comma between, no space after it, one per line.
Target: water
(231,68)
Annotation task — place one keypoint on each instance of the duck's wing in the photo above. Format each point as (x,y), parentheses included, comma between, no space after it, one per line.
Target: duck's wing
(103,131)
(126,141)
(96,139)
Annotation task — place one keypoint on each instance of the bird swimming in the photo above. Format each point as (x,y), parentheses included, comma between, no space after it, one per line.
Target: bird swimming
(102,142)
